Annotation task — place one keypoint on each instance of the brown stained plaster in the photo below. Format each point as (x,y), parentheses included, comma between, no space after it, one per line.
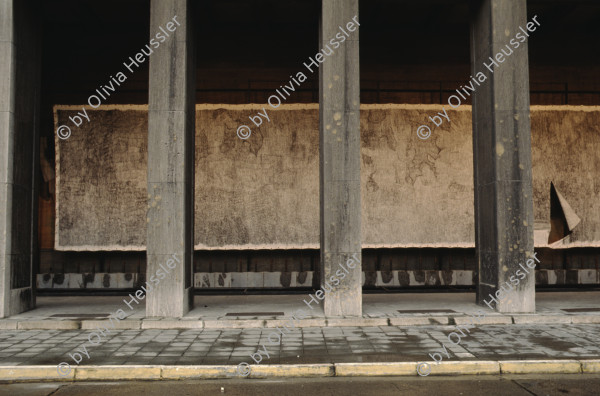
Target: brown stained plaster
(309,106)
(316,246)
(56,180)
(312,106)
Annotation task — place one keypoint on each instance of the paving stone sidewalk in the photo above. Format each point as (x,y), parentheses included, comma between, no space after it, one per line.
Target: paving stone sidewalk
(301,345)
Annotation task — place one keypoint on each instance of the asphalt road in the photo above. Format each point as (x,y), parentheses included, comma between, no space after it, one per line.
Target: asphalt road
(526,385)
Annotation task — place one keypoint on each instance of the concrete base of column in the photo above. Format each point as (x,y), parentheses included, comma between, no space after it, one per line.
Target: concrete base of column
(344,299)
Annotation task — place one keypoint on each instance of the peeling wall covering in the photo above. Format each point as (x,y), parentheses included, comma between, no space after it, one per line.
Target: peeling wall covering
(262,193)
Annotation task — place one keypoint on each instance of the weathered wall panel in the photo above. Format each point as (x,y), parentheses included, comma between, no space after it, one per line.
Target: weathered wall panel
(566,150)
(101,181)
(263,192)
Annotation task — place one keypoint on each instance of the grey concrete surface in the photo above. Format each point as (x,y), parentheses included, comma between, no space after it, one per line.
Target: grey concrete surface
(171,142)
(20,71)
(374,306)
(339,160)
(539,385)
(504,220)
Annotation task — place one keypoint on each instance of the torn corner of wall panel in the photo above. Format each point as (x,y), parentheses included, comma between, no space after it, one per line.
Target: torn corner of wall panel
(563,218)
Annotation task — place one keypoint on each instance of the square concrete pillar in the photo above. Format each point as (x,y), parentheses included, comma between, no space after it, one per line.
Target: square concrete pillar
(20,76)
(502,155)
(339,153)
(171,123)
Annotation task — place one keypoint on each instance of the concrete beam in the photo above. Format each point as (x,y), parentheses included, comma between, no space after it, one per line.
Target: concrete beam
(171,123)
(20,76)
(502,155)
(339,154)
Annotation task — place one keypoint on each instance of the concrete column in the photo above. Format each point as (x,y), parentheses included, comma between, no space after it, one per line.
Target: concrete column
(339,150)
(20,77)
(171,123)
(502,155)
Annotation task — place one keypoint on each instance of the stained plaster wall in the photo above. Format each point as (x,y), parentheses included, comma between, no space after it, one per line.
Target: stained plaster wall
(262,193)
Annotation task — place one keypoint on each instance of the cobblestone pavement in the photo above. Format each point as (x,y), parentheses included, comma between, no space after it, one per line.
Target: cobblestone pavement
(305,345)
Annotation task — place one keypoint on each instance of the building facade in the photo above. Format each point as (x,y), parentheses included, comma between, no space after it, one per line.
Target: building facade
(440,141)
